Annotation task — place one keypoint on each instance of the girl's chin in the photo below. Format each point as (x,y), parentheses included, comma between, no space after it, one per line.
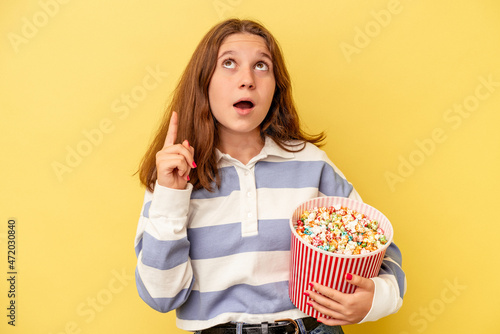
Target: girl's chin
(239,131)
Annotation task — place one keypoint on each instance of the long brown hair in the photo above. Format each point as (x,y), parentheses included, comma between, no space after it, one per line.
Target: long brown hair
(196,122)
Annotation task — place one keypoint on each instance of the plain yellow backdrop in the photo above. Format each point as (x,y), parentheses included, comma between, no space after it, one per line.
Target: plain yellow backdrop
(408,92)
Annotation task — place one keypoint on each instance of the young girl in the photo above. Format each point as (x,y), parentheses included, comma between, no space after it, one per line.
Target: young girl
(228,165)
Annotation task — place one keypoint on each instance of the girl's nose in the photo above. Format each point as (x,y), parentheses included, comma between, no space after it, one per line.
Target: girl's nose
(247,79)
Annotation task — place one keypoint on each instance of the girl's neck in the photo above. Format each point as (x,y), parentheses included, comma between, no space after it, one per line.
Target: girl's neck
(241,147)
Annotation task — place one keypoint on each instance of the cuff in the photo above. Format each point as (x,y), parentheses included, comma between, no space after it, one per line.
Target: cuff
(170,203)
(385,300)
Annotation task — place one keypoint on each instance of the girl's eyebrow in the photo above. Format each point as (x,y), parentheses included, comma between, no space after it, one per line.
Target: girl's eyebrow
(225,53)
(230,52)
(266,55)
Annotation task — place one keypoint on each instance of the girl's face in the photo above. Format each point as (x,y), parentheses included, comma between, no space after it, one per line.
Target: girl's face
(242,87)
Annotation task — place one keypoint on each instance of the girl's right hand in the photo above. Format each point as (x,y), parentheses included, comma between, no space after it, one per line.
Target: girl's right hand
(174,162)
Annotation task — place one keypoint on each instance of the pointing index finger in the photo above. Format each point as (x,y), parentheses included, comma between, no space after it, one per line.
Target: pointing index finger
(172,130)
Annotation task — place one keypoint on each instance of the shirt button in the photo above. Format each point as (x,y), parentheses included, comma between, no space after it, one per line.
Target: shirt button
(247,172)
(249,194)
(249,215)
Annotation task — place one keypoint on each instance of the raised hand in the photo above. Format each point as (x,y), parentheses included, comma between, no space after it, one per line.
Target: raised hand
(174,161)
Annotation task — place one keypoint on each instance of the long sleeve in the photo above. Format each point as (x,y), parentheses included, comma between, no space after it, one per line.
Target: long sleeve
(164,276)
(390,284)
(240,241)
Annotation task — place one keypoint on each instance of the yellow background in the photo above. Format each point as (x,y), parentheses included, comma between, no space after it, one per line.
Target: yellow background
(385,87)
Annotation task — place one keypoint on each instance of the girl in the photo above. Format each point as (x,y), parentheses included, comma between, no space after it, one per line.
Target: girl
(227,166)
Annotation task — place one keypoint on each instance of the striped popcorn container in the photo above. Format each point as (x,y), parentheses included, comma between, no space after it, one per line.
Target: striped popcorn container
(311,264)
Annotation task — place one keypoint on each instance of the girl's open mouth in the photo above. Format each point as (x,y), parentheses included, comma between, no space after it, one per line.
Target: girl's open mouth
(243,107)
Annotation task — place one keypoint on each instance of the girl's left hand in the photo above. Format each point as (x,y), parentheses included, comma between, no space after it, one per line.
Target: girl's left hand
(342,308)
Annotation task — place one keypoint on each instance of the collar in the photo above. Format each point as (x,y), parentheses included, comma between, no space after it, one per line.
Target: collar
(270,149)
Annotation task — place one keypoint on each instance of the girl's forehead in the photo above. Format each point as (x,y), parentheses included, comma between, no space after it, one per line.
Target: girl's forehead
(243,40)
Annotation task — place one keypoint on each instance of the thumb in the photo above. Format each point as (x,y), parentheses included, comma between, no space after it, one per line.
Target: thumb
(361,282)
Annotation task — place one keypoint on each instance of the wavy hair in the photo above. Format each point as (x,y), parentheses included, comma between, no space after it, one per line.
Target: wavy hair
(199,126)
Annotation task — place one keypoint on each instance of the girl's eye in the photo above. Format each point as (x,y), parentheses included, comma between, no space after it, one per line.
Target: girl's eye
(261,66)
(229,63)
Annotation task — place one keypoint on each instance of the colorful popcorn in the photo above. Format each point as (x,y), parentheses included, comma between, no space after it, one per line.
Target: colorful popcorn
(340,230)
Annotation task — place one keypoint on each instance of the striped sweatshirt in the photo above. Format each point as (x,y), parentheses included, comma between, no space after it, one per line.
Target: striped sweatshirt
(224,256)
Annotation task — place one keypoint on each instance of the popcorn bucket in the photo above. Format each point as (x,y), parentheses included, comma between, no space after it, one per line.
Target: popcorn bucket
(311,264)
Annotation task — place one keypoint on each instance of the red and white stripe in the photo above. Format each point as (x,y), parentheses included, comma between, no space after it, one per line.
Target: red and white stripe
(311,264)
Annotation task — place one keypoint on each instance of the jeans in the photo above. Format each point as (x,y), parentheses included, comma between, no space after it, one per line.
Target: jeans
(321,329)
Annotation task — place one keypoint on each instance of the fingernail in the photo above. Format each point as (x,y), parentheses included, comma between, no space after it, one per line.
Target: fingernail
(311,285)
(309,304)
(318,320)
(188,178)
(194,164)
(348,277)
(188,143)
(306,293)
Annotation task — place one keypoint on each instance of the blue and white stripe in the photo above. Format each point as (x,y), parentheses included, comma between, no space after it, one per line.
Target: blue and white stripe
(224,255)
